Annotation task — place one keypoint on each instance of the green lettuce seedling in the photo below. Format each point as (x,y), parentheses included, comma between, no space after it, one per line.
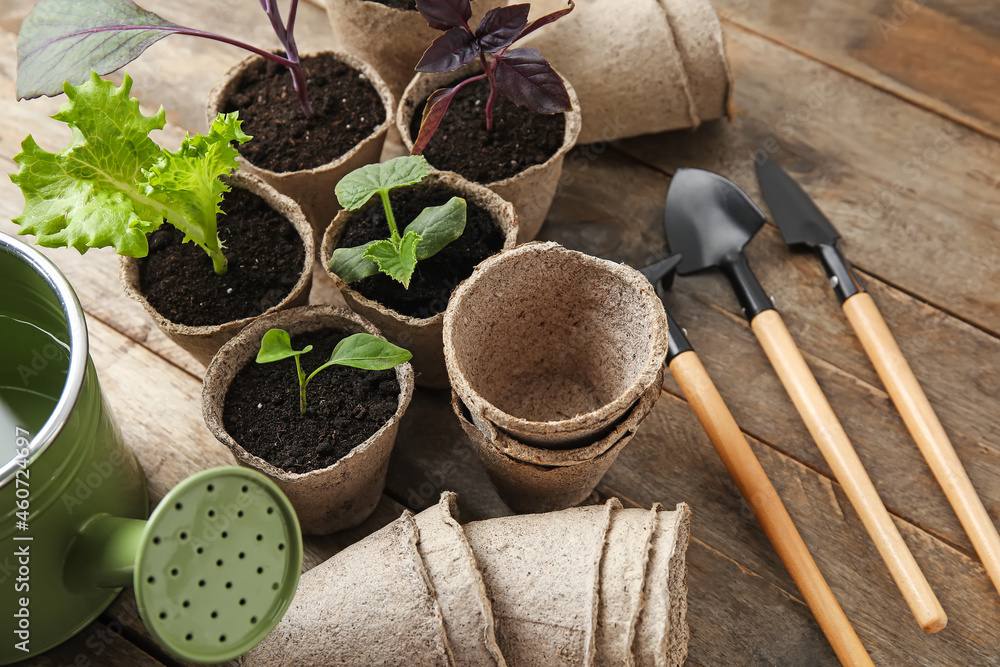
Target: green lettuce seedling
(397,256)
(358,350)
(112,184)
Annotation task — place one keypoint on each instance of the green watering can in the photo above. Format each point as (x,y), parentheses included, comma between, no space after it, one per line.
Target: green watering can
(214,567)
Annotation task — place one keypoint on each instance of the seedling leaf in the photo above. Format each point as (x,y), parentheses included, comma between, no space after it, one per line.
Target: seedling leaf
(368,352)
(445,14)
(545,20)
(434,111)
(361,184)
(437,226)
(63,40)
(501,27)
(527,79)
(350,264)
(277,345)
(455,48)
(397,263)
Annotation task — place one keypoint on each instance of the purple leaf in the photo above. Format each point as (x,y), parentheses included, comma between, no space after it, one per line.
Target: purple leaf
(450,51)
(501,27)
(526,78)
(434,111)
(445,14)
(545,20)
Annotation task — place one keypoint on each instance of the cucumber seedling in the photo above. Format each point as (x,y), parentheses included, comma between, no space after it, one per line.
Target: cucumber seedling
(358,350)
(425,236)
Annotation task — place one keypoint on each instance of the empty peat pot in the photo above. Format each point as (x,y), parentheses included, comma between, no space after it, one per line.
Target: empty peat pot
(533,479)
(553,346)
(73,524)
(333,497)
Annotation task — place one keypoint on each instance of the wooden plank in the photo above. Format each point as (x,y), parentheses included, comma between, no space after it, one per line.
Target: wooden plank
(179,71)
(940,55)
(592,215)
(671,459)
(97,644)
(904,187)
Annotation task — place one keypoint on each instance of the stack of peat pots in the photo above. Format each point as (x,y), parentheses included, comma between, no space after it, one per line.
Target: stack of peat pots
(555,358)
(595,585)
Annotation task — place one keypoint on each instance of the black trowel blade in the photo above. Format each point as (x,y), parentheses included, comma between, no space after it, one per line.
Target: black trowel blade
(708,217)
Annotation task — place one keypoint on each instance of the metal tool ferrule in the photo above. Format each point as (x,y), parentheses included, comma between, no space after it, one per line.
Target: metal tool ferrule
(843,280)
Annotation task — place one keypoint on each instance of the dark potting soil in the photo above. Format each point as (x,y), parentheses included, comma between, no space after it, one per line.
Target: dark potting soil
(397,4)
(265,256)
(520,138)
(435,277)
(345,407)
(347,109)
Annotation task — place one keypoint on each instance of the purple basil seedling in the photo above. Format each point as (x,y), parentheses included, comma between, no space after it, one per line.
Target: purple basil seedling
(521,75)
(62,40)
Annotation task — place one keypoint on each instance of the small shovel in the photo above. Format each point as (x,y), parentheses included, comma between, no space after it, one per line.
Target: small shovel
(752,481)
(709,220)
(801,222)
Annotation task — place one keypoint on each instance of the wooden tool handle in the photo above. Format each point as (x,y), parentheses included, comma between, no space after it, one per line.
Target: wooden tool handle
(840,455)
(756,488)
(925,428)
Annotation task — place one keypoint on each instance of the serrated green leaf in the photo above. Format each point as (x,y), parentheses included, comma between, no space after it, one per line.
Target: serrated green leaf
(86,196)
(277,345)
(396,263)
(112,184)
(63,40)
(369,352)
(437,226)
(187,182)
(362,184)
(350,264)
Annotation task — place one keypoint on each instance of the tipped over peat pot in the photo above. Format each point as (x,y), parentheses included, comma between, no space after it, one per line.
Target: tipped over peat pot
(332,461)
(389,34)
(606,50)
(306,158)
(521,159)
(413,317)
(269,246)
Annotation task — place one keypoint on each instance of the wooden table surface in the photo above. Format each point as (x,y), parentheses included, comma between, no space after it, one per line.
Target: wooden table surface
(888,113)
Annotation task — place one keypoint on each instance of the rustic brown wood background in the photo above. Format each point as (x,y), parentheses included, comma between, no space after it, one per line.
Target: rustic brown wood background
(888,113)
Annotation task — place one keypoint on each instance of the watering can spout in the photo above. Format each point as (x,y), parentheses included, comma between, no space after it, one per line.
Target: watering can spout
(103,554)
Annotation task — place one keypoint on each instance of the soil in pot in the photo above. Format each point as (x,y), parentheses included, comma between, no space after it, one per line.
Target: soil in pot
(346,406)
(406,5)
(436,277)
(520,138)
(265,255)
(347,110)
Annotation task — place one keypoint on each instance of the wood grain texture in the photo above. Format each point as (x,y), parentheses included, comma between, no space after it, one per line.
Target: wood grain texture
(940,54)
(889,175)
(908,189)
(98,644)
(759,493)
(926,429)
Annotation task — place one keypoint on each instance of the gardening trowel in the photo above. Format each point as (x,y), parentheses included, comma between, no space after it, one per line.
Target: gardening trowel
(752,481)
(709,220)
(801,222)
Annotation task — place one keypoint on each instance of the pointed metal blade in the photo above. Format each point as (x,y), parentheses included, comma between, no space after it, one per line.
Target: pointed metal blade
(662,270)
(707,218)
(798,218)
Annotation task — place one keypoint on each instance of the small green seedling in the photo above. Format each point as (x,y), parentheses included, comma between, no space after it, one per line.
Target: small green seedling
(358,350)
(112,184)
(397,256)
